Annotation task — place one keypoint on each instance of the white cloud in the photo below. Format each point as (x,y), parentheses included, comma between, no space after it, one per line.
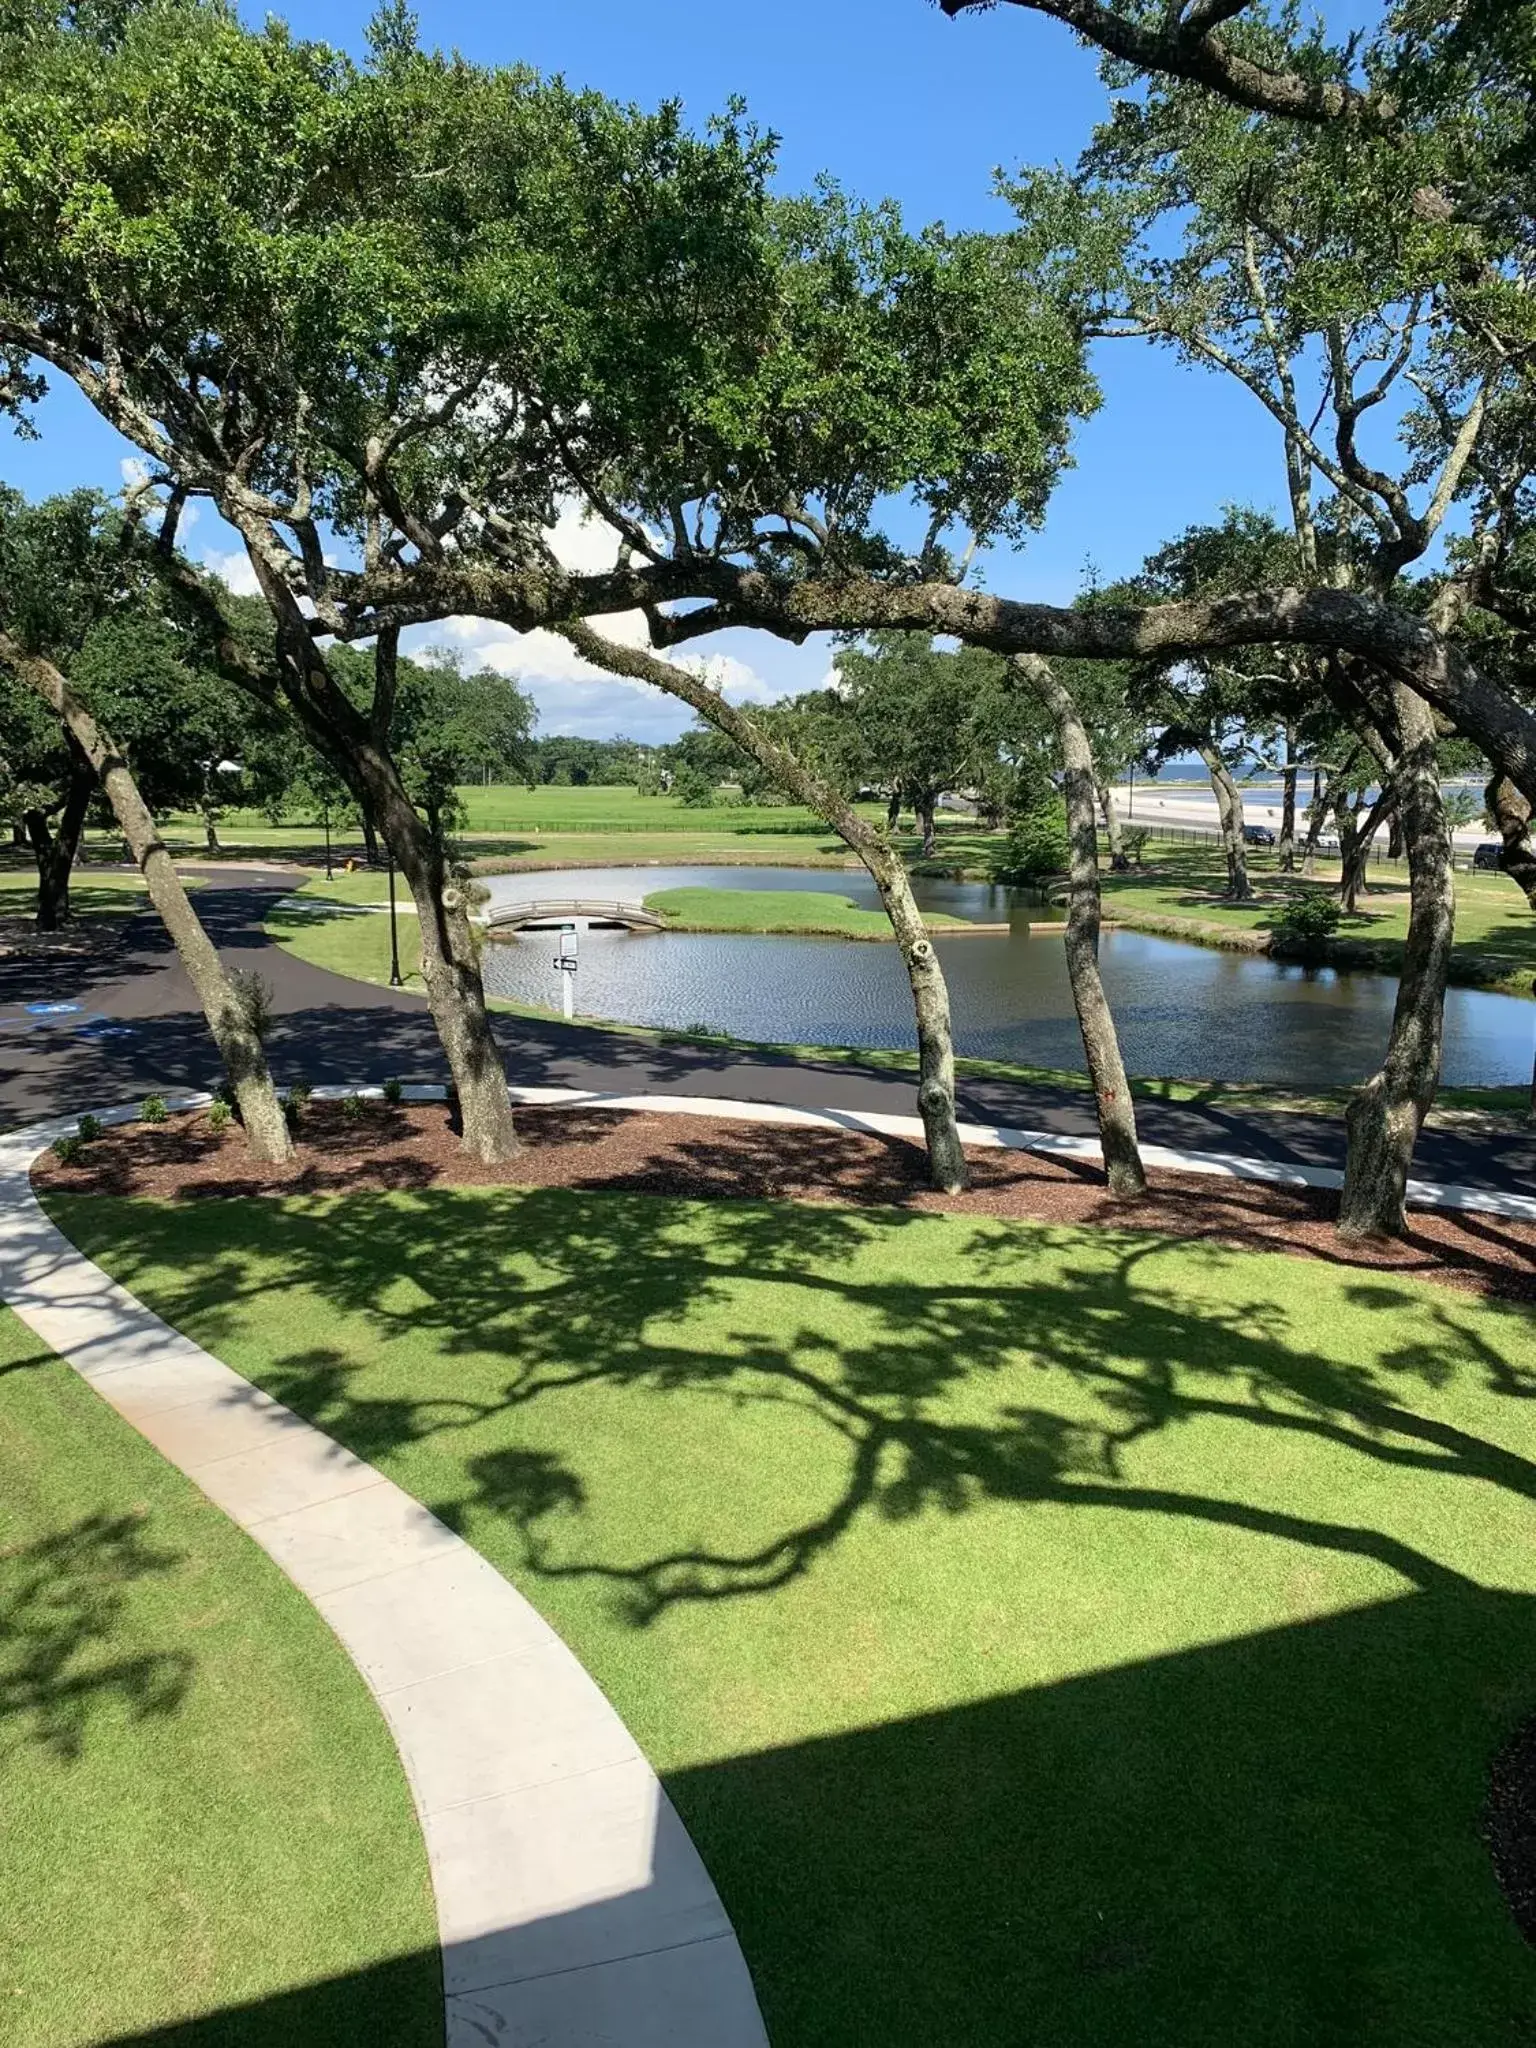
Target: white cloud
(234,569)
(135,471)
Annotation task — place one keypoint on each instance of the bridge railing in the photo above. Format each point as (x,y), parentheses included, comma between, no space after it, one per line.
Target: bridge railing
(544,908)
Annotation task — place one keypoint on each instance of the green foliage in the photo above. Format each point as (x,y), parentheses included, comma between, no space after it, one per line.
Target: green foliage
(90,1127)
(1038,846)
(394,1091)
(692,787)
(220,1115)
(153,1110)
(69,1149)
(1133,842)
(353,1107)
(1306,924)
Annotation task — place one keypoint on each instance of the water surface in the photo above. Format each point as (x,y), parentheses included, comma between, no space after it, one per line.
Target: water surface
(1182,1010)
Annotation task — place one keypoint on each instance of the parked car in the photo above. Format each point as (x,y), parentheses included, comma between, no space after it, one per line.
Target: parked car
(1487,854)
(1258,835)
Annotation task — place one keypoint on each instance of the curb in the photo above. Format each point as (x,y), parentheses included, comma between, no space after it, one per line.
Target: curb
(573,1910)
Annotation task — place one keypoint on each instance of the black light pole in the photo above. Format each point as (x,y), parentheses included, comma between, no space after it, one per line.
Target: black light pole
(1130,795)
(395,979)
(325,812)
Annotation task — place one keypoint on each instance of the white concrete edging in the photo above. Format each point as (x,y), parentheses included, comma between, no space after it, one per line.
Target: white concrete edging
(573,1910)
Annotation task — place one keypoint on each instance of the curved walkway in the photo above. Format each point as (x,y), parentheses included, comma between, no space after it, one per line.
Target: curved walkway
(573,1910)
(133,1025)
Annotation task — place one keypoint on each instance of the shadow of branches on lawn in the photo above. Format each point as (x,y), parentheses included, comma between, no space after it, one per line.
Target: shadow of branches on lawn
(61,1605)
(1002,1371)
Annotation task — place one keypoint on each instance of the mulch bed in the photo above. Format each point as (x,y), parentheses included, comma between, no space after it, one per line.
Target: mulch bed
(416,1146)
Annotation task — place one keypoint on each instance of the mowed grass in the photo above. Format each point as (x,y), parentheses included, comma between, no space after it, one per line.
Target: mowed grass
(780,910)
(1047,1635)
(1180,891)
(89,895)
(205,1824)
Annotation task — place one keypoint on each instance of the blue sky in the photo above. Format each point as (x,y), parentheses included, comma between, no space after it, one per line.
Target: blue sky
(893,99)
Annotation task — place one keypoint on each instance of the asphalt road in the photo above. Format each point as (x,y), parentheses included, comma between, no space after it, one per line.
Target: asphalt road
(133,1025)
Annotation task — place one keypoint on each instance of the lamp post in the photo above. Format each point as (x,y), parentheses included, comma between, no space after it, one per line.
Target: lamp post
(1130,794)
(325,812)
(395,978)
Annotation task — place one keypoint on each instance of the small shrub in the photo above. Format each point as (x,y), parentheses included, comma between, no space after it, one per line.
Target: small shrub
(297,1098)
(1037,846)
(352,1107)
(1302,930)
(1133,842)
(153,1110)
(394,1092)
(69,1150)
(220,1115)
(704,1031)
(89,1127)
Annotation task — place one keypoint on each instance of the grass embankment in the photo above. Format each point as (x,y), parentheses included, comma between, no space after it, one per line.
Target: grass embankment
(358,946)
(811,911)
(1180,893)
(1026,1621)
(206,1825)
(89,895)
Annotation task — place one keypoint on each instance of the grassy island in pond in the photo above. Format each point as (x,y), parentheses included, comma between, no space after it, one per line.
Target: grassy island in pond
(808,911)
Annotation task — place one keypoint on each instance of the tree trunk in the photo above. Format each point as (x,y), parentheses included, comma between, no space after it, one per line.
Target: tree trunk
(1117,860)
(930,992)
(1229,808)
(1510,813)
(371,842)
(245,1062)
(925,822)
(893,811)
(1394,837)
(210,831)
(1384,1118)
(1351,857)
(358,749)
(55,848)
(1101,1044)
(1286,850)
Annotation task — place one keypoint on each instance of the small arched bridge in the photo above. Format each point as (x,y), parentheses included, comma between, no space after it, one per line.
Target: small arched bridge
(519,917)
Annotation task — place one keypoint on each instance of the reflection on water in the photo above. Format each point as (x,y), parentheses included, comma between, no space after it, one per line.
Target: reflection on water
(1182,1010)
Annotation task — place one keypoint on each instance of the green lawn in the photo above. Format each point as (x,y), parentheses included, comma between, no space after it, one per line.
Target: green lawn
(90,895)
(1179,892)
(206,1828)
(780,910)
(1047,1635)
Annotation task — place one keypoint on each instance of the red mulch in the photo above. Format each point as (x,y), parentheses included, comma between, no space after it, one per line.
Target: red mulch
(416,1146)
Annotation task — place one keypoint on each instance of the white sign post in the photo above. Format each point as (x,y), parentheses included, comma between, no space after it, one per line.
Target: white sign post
(565,961)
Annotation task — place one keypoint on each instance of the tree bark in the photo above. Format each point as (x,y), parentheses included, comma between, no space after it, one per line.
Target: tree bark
(1385,1116)
(1117,860)
(1511,816)
(925,822)
(893,811)
(358,749)
(245,1062)
(55,847)
(1229,808)
(1101,1044)
(370,842)
(930,992)
(1286,850)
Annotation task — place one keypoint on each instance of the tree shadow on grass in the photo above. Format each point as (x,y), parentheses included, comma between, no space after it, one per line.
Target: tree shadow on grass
(1074,1364)
(61,1607)
(1272,1841)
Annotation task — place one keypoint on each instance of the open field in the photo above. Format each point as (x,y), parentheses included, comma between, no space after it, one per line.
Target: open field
(1025,1619)
(203,1812)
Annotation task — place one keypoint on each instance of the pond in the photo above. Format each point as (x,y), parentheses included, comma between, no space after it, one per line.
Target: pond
(1182,1010)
